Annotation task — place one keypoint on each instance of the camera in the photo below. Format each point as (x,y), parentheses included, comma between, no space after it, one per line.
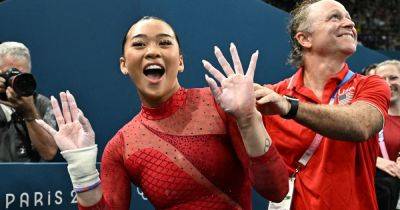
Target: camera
(24,84)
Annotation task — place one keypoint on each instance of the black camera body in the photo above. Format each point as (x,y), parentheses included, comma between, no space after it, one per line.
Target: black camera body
(24,84)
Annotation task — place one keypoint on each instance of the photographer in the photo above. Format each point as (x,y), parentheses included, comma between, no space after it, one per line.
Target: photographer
(21,138)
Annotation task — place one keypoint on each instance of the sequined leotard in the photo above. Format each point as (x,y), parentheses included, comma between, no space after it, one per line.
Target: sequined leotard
(186,154)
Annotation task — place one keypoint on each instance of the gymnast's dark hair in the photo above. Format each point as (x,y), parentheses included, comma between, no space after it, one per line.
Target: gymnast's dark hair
(148,18)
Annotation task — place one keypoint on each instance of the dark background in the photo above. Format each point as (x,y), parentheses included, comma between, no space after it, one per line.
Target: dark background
(377,22)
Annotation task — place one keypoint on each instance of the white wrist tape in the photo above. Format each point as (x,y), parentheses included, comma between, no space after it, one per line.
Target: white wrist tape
(82,166)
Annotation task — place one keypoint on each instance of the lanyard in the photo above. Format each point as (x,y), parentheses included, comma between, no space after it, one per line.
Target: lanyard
(382,146)
(318,138)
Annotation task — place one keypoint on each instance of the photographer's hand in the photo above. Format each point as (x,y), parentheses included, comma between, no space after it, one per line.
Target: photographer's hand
(42,141)
(3,91)
(2,85)
(22,104)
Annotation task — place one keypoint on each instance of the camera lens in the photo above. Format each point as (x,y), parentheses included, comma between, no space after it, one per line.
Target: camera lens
(24,84)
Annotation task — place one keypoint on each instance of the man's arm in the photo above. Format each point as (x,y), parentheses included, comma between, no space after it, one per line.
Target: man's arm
(355,122)
(40,139)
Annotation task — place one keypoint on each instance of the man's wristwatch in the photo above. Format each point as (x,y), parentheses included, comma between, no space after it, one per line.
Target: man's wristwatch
(294,106)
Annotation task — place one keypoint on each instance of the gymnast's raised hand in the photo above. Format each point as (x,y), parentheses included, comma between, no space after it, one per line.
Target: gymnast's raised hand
(236,94)
(76,140)
(75,130)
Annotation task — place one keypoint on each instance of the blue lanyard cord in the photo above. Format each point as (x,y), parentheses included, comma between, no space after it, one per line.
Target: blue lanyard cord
(348,76)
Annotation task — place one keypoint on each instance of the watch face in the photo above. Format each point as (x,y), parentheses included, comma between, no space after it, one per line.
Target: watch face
(291,98)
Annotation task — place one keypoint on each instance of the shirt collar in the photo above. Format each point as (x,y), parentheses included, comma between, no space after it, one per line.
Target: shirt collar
(297,80)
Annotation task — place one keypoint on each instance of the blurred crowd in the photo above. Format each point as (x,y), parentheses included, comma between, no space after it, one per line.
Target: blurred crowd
(377,22)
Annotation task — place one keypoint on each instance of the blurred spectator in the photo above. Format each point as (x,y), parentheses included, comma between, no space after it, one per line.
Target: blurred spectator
(377,22)
(387,181)
(370,69)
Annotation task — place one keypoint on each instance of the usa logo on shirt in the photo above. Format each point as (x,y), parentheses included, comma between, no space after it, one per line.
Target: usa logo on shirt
(345,96)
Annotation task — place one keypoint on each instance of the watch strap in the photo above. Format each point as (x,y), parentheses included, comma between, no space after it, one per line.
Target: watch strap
(294,106)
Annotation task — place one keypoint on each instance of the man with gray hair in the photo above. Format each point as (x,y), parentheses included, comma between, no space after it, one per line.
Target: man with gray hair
(328,117)
(324,119)
(21,138)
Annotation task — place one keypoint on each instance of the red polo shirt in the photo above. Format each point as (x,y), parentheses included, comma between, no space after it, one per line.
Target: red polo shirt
(340,174)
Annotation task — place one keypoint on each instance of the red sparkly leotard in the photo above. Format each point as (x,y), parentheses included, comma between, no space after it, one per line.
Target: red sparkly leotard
(187,154)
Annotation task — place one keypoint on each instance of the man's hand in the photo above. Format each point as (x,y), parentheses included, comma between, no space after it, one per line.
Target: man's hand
(75,130)
(22,104)
(269,102)
(236,95)
(2,85)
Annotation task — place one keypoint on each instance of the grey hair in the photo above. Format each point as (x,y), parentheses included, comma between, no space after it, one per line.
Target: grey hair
(16,50)
(395,63)
(298,23)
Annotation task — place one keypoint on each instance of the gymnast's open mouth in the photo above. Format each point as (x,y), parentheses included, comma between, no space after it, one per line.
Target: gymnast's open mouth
(154,71)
